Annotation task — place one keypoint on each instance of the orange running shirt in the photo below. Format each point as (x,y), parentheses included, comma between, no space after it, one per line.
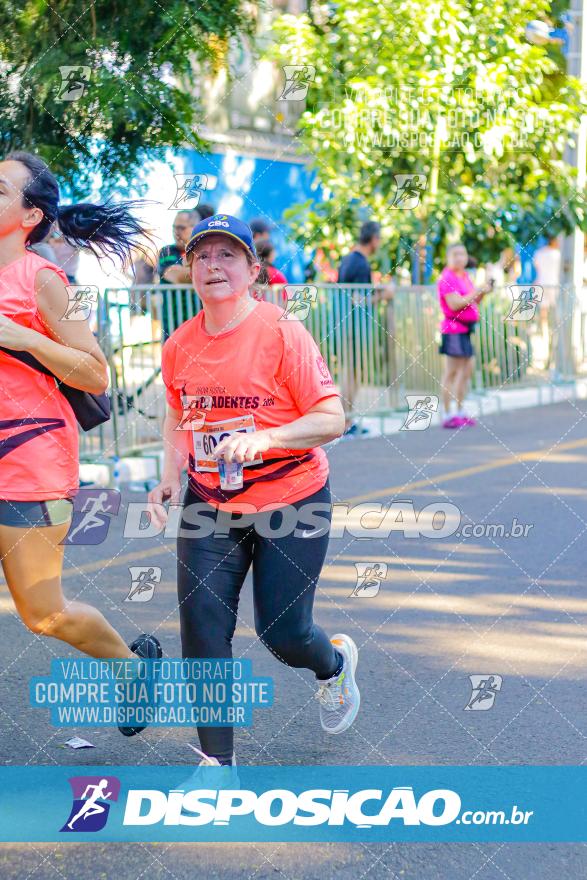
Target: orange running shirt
(38,430)
(263,373)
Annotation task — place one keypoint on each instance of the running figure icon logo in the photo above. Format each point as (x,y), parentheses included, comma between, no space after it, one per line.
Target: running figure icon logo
(369,578)
(81,298)
(92,509)
(420,412)
(299,301)
(525,299)
(189,190)
(73,83)
(409,189)
(484,690)
(144,579)
(90,808)
(297,81)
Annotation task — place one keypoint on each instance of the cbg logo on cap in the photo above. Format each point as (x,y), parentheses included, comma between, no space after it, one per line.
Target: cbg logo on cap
(221,220)
(225,225)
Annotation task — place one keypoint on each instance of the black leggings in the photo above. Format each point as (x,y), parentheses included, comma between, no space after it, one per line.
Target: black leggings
(211,571)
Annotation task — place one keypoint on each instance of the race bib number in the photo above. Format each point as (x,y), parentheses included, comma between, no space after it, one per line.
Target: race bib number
(209,435)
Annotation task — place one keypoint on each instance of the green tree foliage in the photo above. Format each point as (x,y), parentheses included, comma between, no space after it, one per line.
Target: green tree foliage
(139,99)
(451,90)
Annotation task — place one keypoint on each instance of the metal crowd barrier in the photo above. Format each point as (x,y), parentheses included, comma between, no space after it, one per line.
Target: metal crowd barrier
(383,348)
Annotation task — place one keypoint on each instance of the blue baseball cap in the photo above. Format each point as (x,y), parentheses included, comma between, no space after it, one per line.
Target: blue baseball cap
(223,224)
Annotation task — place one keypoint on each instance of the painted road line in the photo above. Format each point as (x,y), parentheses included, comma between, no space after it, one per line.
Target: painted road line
(534,455)
(389,491)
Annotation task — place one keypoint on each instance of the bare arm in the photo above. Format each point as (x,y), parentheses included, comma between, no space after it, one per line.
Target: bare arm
(178,275)
(175,443)
(71,352)
(456,302)
(322,423)
(175,454)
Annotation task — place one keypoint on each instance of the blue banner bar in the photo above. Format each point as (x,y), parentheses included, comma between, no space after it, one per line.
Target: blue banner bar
(302,804)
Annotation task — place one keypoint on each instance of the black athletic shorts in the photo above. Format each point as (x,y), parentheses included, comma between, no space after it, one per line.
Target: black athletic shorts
(35,514)
(457,345)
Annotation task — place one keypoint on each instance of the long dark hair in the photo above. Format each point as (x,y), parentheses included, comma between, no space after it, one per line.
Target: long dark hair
(107,230)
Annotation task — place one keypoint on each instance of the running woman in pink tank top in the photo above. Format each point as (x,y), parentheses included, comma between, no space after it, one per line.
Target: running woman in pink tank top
(38,430)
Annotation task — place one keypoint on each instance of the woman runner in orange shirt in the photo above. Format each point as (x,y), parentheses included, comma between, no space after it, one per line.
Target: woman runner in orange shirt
(248,391)
(38,431)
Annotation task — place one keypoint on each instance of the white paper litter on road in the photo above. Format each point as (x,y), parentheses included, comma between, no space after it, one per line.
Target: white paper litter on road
(76,742)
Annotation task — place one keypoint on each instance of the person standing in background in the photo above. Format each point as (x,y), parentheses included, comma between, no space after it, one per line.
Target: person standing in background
(175,305)
(268,274)
(43,249)
(266,254)
(459,302)
(170,268)
(66,255)
(356,269)
(142,271)
(547,263)
(261,231)
(205,211)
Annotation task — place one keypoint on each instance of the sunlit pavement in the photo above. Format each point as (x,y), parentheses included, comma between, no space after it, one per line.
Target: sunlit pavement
(447,609)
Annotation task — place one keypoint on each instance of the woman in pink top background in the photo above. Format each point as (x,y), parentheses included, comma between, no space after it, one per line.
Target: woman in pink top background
(459,303)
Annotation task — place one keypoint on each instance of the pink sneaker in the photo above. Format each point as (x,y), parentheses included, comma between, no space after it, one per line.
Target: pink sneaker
(469,421)
(452,422)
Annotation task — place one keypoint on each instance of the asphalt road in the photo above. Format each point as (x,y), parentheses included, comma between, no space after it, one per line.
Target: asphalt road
(448,608)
